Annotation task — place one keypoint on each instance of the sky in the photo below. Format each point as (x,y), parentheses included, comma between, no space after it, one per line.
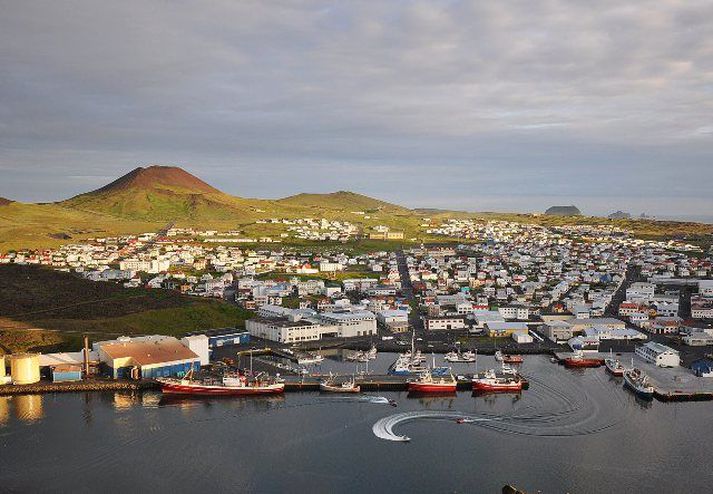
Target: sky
(481,106)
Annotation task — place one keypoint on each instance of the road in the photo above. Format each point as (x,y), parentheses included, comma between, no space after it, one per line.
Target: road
(407,291)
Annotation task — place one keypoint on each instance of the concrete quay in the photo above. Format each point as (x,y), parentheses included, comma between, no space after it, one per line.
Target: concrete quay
(670,384)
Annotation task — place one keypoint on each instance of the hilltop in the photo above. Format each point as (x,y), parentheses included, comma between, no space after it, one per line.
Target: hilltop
(156,177)
(341,200)
(5,202)
(563,211)
(161,193)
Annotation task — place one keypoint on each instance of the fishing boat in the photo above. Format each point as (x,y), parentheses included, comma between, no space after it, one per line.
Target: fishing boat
(372,352)
(638,382)
(506,370)
(613,366)
(579,360)
(231,385)
(513,359)
(490,381)
(409,363)
(330,385)
(428,383)
(405,367)
(460,358)
(499,356)
(357,357)
(310,359)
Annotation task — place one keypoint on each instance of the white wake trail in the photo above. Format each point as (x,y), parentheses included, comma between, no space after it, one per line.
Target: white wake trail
(384,428)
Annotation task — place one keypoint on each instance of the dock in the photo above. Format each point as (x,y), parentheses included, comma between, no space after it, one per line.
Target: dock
(77,387)
(670,384)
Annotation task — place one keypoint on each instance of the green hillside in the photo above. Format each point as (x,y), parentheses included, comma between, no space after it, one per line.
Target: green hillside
(342,201)
(59,307)
(24,225)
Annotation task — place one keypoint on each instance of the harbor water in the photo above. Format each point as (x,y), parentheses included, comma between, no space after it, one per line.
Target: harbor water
(573,431)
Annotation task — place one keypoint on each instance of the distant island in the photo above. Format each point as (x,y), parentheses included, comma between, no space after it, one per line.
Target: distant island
(563,211)
(619,215)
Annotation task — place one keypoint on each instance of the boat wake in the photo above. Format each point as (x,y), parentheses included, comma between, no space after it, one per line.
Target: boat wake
(374,400)
(384,428)
(555,408)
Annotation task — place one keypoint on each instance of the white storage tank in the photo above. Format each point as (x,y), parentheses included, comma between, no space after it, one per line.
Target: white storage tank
(25,368)
(2,367)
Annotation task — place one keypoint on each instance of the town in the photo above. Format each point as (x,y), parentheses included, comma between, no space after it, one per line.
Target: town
(519,287)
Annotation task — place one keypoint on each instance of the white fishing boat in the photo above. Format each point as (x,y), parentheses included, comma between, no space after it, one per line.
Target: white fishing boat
(638,382)
(460,358)
(310,359)
(331,385)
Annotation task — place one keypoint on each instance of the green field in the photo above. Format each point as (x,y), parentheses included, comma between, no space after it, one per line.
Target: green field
(41,308)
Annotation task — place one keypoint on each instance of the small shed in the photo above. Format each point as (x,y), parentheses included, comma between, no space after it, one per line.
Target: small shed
(66,373)
(703,367)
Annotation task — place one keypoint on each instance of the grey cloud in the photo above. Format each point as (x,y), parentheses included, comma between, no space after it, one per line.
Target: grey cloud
(519,102)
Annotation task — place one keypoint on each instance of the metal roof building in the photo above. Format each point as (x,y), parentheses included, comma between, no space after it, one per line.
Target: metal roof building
(147,357)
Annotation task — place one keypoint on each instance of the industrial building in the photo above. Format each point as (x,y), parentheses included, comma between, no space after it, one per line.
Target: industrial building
(284,330)
(66,373)
(146,357)
(658,354)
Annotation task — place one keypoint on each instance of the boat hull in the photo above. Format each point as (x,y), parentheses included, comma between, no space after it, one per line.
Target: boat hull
(582,363)
(326,388)
(208,390)
(482,386)
(415,387)
(647,394)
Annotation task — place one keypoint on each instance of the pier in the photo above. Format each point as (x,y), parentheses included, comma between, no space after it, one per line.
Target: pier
(670,383)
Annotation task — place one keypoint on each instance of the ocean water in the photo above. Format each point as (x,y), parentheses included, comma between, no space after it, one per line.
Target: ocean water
(572,431)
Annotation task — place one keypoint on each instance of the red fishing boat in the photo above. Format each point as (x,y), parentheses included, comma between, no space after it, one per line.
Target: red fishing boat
(578,360)
(238,385)
(490,381)
(427,383)
(513,359)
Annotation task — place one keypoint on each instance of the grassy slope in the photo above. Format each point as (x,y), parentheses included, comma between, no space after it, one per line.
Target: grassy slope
(31,225)
(32,297)
(342,200)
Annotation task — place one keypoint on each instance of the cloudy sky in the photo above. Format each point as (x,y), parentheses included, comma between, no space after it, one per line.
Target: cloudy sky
(471,105)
